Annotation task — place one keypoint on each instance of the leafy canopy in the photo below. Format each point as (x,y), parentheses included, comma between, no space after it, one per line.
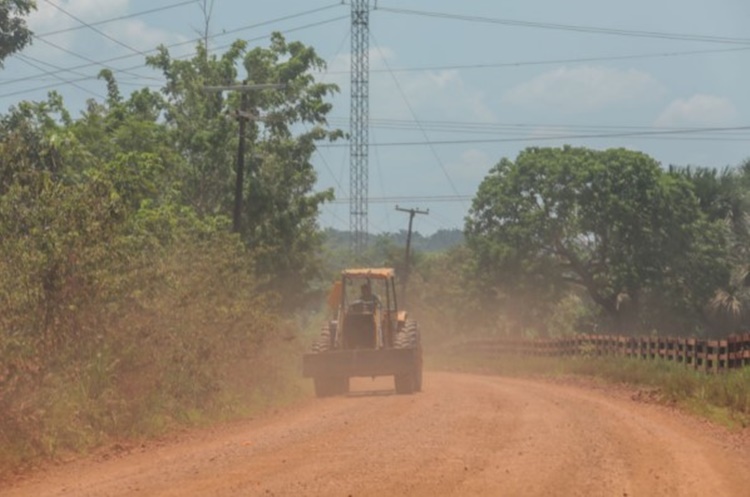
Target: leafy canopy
(14,34)
(279,218)
(610,222)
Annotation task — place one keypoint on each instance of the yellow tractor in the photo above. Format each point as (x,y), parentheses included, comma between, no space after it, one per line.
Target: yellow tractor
(369,336)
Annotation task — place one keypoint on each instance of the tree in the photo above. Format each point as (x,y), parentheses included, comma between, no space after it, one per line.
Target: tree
(280,214)
(14,34)
(723,197)
(610,222)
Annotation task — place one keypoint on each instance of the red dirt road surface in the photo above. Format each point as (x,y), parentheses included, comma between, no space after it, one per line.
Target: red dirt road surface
(465,435)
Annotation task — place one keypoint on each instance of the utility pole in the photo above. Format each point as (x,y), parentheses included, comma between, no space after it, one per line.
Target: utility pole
(407,258)
(240,175)
(243,116)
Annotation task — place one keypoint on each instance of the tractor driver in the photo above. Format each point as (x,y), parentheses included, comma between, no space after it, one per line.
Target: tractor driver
(367,295)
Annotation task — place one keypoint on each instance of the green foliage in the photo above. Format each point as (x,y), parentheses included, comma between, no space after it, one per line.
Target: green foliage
(440,241)
(569,315)
(14,34)
(611,222)
(723,196)
(123,308)
(281,208)
(445,299)
(118,317)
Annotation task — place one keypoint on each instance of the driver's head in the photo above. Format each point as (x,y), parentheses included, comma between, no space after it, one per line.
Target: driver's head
(366,290)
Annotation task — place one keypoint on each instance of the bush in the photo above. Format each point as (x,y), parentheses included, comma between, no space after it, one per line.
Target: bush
(116,322)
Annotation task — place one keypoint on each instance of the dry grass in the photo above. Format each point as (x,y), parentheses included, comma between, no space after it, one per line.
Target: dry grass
(722,397)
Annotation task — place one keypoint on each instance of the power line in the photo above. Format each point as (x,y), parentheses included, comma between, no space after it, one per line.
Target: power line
(632,134)
(30,62)
(126,70)
(325,161)
(94,29)
(317,150)
(118,18)
(27,59)
(485,128)
(414,116)
(479,125)
(264,23)
(572,27)
(571,60)
(381,183)
(182,43)
(83,57)
(53,66)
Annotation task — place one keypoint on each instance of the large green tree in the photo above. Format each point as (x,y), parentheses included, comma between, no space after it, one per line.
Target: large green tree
(14,33)
(611,222)
(279,218)
(723,196)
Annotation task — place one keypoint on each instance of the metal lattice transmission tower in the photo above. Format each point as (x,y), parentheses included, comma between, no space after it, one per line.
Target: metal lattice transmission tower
(358,125)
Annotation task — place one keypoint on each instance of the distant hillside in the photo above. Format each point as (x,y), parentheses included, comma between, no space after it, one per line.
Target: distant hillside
(437,242)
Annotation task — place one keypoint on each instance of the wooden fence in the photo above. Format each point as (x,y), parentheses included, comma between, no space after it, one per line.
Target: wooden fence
(707,355)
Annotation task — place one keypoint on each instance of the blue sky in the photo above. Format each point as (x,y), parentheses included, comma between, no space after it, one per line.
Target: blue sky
(491,78)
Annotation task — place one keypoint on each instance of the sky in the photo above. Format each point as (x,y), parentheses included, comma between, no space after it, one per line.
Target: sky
(454,86)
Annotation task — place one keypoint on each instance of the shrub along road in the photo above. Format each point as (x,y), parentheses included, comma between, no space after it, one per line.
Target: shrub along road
(464,435)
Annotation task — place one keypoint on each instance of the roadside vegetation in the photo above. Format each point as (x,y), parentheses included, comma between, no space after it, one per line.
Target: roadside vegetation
(722,397)
(626,247)
(128,303)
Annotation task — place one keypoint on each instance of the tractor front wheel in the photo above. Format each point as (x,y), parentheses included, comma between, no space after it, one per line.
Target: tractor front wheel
(328,386)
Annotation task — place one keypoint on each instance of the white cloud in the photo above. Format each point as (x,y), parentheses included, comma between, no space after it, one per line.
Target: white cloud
(131,32)
(47,18)
(440,95)
(584,89)
(698,110)
(139,35)
(472,165)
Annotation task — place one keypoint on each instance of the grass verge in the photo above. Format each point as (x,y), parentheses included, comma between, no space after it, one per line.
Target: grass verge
(721,397)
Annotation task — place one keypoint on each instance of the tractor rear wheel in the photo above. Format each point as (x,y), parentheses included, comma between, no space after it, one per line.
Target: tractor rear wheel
(409,338)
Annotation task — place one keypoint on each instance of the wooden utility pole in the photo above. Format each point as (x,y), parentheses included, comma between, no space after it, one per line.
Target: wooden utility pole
(407,258)
(243,116)
(240,175)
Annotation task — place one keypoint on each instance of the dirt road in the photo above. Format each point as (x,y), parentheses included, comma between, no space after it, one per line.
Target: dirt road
(464,435)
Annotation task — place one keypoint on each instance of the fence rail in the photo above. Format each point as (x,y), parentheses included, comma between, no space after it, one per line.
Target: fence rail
(702,354)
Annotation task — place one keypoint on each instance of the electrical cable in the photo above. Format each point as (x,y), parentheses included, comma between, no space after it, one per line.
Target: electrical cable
(325,162)
(414,116)
(522,129)
(30,62)
(87,59)
(336,179)
(632,134)
(572,27)
(329,210)
(126,70)
(382,185)
(191,41)
(571,60)
(95,29)
(118,18)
